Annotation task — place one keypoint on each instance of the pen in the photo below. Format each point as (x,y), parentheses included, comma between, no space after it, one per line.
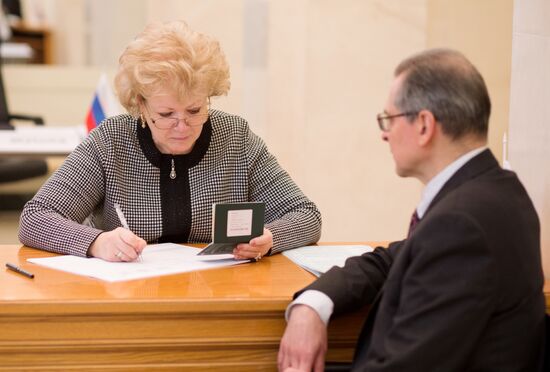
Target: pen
(124,222)
(19,270)
(121,216)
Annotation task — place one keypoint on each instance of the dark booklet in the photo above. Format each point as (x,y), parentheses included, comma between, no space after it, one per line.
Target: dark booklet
(234,223)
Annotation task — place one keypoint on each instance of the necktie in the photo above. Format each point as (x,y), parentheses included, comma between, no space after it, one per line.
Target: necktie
(414,222)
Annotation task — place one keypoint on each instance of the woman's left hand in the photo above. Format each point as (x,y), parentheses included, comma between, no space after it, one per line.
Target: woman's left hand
(256,248)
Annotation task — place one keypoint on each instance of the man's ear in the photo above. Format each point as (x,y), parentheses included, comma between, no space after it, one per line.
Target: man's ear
(426,127)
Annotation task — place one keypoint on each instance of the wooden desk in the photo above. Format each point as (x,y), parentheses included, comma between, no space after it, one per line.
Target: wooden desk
(223,319)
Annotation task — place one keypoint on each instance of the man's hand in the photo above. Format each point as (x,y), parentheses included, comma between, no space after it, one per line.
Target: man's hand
(304,343)
(117,245)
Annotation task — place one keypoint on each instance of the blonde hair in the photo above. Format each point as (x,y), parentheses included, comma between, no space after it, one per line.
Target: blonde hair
(170,56)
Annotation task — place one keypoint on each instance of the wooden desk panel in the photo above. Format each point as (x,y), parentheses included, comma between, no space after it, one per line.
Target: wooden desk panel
(227,319)
(230,318)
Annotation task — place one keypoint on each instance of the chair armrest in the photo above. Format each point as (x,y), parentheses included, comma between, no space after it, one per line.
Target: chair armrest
(35,119)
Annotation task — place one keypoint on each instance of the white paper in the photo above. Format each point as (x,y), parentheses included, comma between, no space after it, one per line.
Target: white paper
(239,222)
(216,257)
(156,260)
(318,259)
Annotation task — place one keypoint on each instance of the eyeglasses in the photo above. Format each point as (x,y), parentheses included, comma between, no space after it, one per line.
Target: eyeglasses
(384,120)
(192,119)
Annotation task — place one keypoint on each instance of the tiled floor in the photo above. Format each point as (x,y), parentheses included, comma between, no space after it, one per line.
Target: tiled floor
(9,225)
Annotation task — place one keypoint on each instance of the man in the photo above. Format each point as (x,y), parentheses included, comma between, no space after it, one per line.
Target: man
(463,292)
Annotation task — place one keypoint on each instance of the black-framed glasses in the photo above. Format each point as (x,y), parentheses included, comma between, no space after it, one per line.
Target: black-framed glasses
(384,120)
(191,119)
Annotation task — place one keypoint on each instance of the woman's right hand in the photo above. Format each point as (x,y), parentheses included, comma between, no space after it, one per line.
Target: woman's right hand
(117,245)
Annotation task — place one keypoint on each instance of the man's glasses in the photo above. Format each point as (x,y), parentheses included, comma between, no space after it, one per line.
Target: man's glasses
(191,119)
(384,120)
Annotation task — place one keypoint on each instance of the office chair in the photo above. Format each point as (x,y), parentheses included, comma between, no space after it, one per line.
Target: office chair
(546,353)
(17,168)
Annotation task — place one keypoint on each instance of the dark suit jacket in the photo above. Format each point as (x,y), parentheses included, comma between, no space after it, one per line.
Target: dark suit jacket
(463,292)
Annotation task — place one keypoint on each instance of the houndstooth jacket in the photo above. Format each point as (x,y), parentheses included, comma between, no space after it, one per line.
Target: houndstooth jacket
(119,163)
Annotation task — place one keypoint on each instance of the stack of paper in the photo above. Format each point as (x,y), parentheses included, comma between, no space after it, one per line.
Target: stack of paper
(157,260)
(318,259)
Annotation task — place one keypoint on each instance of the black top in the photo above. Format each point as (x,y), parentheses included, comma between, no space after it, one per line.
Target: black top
(175,193)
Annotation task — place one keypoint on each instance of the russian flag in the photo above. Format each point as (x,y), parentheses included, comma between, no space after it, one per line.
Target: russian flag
(103,105)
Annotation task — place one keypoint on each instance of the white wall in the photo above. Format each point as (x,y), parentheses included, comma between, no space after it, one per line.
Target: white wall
(530,110)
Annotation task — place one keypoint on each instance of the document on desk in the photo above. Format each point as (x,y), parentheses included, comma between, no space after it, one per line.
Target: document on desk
(318,259)
(157,260)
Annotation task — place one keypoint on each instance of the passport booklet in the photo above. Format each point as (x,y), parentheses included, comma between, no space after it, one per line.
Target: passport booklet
(234,223)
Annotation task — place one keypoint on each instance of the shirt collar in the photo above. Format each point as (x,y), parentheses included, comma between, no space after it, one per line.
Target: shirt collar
(434,186)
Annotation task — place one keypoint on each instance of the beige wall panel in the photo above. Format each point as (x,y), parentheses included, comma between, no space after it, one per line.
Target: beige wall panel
(67,20)
(111,26)
(482,30)
(330,69)
(531,17)
(529,110)
(287,80)
(61,95)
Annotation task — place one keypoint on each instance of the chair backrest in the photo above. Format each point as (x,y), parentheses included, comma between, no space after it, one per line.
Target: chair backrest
(546,357)
(12,7)
(14,168)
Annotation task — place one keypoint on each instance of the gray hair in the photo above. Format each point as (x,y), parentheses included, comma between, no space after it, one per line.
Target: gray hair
(445,83)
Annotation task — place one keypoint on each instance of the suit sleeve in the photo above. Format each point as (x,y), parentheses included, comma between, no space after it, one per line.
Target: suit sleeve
(359,281)
(53,219)
(445,299)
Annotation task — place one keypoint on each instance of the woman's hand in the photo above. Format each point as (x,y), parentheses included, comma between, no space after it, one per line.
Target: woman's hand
(256,248)
(117,245)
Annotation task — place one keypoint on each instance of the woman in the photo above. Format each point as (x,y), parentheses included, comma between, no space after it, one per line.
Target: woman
(166,163)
